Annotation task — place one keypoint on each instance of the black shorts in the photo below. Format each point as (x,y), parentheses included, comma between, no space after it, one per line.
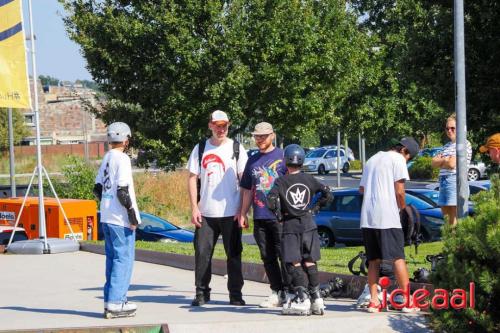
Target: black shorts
(385,244)
(300,247)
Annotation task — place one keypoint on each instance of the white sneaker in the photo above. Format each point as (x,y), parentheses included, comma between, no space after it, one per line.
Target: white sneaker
(318,306)
(122,307)
(365,297)
(272,301)
(400,300)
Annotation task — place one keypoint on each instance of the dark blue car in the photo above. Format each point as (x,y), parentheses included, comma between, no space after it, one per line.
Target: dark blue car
(339,221)
(156,229)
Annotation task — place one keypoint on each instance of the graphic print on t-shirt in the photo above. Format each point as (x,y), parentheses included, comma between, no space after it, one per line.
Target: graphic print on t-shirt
(106,180)
(266,176)
(214,167)
(298,196)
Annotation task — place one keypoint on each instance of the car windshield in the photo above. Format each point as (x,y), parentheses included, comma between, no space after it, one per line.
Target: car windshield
(423,197)
(156,224)
(315,153)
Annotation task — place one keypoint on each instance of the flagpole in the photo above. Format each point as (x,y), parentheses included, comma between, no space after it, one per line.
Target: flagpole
(41,210)
(13,193)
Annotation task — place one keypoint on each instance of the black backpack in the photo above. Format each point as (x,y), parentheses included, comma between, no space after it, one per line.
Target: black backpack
(410,222)
(201,150)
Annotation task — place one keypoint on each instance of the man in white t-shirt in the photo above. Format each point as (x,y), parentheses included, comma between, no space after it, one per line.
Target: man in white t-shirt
(218,210)
(383,189)
(119,217)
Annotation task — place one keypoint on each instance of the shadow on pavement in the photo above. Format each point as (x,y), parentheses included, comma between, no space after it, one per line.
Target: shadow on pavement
(54,311)
(133,287)
(408,323)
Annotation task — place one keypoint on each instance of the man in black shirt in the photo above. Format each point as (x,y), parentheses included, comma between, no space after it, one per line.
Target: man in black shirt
(292,199)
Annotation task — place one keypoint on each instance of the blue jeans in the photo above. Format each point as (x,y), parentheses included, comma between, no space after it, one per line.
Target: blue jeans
(447,190)
(119,245)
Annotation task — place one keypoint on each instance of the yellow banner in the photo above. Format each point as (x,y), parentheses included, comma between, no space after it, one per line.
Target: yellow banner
(14,84)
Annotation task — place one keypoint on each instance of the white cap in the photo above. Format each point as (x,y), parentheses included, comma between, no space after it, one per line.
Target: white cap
(219,116)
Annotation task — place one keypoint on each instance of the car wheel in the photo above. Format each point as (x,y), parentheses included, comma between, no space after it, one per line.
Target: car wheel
(321,169)
(473,174)
(326,238)
(345,168)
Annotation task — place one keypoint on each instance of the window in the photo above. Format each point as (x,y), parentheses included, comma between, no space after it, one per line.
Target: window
(29,119)
(347,204)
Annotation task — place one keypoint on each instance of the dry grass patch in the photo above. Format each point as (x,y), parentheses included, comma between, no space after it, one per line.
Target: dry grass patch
(164,194)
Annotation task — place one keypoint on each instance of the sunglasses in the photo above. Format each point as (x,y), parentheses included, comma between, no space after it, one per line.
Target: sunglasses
(450,129)
(261,136)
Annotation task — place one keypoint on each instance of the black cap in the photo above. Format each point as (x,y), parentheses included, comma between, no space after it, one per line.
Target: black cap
(410,144)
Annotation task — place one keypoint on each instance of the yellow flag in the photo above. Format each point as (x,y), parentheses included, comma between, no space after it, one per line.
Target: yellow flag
(14,84)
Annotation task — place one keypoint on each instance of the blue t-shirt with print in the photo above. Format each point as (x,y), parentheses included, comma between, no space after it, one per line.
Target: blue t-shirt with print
(261,171)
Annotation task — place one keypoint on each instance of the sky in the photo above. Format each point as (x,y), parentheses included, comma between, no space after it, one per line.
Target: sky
(56,55)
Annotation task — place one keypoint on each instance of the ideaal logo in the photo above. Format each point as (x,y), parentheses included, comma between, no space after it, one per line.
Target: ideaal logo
(420,297)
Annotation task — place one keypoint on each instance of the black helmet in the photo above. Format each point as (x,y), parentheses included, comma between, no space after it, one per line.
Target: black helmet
(294,155)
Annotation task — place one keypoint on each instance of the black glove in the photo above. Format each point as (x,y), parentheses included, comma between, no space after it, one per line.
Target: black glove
(132,218)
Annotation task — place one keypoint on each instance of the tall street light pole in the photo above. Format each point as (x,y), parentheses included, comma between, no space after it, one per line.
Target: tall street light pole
(460,109)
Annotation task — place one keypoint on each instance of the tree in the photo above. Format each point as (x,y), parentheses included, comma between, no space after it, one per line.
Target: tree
(416,42)
(48,80)
(164,66)
(20,129)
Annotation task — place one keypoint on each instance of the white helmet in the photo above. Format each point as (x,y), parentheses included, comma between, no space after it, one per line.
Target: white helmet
(118,132)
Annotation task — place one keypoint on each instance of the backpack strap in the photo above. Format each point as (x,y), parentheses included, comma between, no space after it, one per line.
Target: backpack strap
(201,150)
(236,155)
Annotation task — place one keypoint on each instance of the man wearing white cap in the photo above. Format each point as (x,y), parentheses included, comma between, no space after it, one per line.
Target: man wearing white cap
(261,171)
(218,164)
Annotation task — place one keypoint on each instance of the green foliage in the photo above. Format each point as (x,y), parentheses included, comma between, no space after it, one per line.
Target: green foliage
(165,65)
(20,129)
(422,169)
(48,80)
(356,165)
(472,253)
(415,82)
(78,179)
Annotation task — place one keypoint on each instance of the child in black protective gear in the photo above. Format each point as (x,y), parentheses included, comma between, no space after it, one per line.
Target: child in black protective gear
(292,199)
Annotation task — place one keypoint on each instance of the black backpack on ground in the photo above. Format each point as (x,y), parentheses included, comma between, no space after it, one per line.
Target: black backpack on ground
(410,222)
(201,150)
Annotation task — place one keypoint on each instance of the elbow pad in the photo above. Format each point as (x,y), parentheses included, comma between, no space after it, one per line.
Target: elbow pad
(274,205)
(124,197)
(98,191)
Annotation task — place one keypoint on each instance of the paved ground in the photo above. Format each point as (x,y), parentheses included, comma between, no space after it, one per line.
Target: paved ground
(64,291)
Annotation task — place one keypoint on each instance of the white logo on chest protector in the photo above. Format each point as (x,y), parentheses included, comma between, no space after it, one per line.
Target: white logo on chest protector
(298,196)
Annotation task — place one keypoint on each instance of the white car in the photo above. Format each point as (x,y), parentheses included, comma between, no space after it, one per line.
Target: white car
(324,160)
(6,232)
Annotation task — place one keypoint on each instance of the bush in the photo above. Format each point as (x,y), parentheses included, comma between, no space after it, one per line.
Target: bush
(355,165)
(78,179)
(472,252)
(422,169)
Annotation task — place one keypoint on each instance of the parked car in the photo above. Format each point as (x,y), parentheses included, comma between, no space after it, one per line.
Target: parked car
(476,171)
(340,220)
(323,160)
(6,232)
(350,153)
(156,229)
(432,196)
(474,186)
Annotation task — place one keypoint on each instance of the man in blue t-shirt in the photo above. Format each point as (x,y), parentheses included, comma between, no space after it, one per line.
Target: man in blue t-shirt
(261,171)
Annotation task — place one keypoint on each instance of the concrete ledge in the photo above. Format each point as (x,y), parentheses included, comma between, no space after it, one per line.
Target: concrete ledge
(353,284)
(163,328)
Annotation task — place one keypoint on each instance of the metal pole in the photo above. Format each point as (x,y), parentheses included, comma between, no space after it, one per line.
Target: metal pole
(359,146)
(41,210)
(363,148)
(338,159)
(460,110)
(13,193)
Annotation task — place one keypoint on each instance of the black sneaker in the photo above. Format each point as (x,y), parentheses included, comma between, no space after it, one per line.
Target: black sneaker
(238,301)
(199,300)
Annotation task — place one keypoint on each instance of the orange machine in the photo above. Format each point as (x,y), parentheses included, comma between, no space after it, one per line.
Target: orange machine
(82,216)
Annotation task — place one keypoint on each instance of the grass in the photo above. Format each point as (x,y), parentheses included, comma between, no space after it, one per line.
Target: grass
(332,259)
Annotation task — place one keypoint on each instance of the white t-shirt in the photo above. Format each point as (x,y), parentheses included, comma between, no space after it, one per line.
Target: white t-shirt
(380,208)
(220,190)
(116,170)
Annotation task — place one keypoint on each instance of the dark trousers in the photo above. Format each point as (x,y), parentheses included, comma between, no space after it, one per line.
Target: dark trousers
(205,239)
(267,234)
